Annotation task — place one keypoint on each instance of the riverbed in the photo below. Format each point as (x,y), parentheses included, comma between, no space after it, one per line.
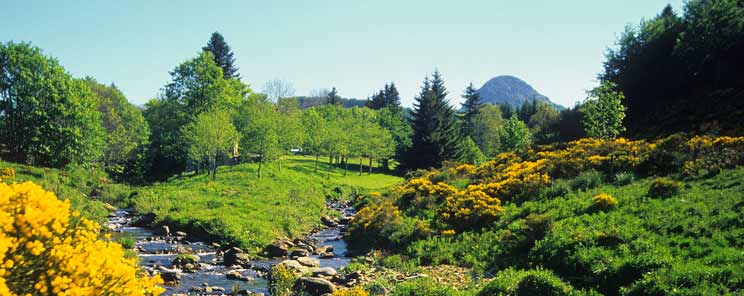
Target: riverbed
(156,253)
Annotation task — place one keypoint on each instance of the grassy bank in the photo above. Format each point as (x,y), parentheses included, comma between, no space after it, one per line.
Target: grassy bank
(240,208)
(85,188)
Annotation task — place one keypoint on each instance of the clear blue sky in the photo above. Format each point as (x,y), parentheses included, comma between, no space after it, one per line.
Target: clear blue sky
(357,46)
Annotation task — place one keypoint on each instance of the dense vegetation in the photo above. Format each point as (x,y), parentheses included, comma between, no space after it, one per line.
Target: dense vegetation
(528,199)
(588,215)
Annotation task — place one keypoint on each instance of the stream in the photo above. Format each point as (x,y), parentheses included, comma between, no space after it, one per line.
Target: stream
(157,252)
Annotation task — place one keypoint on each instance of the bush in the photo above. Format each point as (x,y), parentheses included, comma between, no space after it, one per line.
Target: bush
(663,188)
(356,291)
(281,280)
(526,282)
(603,202)
(127,241)
(48,250)
(7,173)
(400,263)
(558,188)
(423,287)
(624,178)
(587,180)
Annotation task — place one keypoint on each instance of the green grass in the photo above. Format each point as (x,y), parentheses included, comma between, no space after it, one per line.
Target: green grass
(86,189)
(239,208)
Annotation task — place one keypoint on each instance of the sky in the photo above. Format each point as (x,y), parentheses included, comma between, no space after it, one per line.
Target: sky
(356,46)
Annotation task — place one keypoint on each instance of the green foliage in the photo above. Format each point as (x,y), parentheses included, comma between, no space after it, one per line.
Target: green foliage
(486,126)
(558,188)
(400,263)
(543,123)
(47,118)
(587,180)
(471,109)
(604,112)
(240,209)
(281,280)
(526,282)
(423,287)
(471,153)
(210,137)
(223,55)
(663,188)
(514,135)
(127,132)
(624,178)
(435,132)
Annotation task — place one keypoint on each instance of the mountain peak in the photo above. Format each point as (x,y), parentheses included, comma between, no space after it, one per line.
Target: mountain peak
(511,90)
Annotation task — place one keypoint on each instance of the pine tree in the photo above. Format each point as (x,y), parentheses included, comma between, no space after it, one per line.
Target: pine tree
(436,137)
(333,98)
(471,108)
(392,97)
(223,56)
(378,101)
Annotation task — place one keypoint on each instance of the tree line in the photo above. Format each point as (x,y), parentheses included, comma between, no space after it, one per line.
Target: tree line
(206,116)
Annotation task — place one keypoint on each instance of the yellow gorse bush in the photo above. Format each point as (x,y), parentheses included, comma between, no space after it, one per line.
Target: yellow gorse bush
(604,201)
(7,173)
(47,250)
(356,291)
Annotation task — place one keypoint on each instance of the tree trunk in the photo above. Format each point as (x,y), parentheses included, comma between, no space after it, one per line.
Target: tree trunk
(370,165)
(361,165)
(386,164)
(316,163)
(330,164)
(346,167)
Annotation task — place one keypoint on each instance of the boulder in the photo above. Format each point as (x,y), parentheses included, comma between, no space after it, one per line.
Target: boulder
(180,234)
(313,286)
(294,266)
(328,221)
(324,272)
(345,220)
(308,261)
(236,275)
(164,230)
(299,253)
(235,256)
(277,249)
(170,276)
(183,259)
(144,220)
(325,251)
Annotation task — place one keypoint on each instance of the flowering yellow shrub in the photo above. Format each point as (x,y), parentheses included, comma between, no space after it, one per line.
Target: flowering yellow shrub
(710,155)
(356,291)
(423,194)
(604,202)
(7,173)
(46,250)
(569,159)
(470,208)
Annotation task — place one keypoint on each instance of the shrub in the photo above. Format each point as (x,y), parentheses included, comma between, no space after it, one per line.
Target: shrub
(127,241)
(7,173)
(400,263)
(281,280)
(526,282)
(624,178)
(663,188)
(558,188)
(423,287)
(48,250)
(356,291)
(603,202)
(587,180)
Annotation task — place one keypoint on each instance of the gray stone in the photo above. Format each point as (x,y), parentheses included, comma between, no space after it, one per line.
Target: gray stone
(164,230)
(308,261)
(313,286)
(324,271)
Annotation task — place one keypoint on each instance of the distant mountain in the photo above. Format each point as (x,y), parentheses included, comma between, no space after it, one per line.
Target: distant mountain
(511,90)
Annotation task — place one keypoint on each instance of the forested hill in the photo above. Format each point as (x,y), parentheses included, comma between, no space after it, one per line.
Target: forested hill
(306,102)
(511,90)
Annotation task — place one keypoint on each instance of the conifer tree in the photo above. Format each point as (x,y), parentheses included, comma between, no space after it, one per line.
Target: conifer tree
(436,137)
(223,55)
(471,108)
(333,98)
(377,101)
(391,95)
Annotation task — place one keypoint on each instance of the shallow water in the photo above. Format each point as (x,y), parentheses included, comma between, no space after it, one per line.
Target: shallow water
(155,251)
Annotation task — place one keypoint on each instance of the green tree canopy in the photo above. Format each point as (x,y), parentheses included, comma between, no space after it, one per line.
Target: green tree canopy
(485,129)
(604,112)
(47,118)
(514,135)
(471,107)
(210,137)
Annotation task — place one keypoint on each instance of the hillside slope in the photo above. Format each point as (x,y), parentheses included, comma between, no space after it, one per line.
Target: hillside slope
(511,90)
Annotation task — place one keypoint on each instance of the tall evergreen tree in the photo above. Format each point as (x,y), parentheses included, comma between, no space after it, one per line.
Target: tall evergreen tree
(377,101)
(391,95)
(471,108)
(333,98)
(436,137)
(223,55)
